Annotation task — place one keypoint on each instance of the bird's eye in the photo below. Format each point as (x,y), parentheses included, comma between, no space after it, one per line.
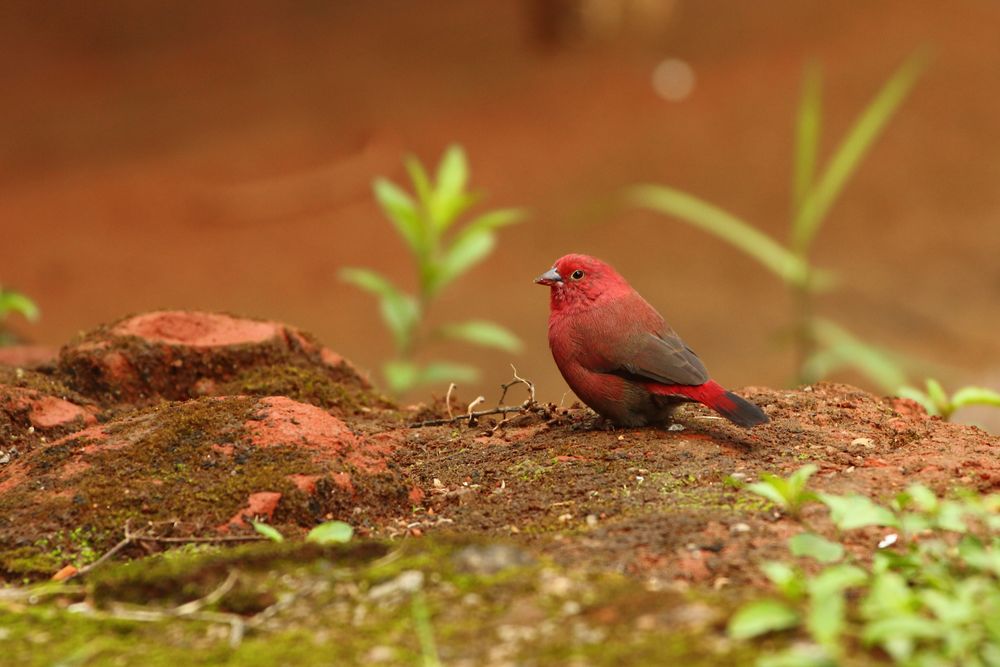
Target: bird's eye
(576,275)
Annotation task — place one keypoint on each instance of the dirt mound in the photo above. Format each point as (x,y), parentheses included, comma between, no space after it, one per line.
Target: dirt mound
(200,466)
(178,355)
(192,423)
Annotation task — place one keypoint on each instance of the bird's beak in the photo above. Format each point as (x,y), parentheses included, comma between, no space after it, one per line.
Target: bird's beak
(550,277)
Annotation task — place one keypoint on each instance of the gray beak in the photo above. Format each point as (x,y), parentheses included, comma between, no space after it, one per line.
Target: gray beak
(550,277)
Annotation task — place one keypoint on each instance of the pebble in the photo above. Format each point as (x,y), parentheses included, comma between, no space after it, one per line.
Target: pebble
(739,528)
(408,581)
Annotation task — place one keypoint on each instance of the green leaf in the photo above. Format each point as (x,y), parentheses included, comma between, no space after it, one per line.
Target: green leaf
(402,212)
(898,634)
(444,371)
(852,150)
(798,656)
(876,363)
(816,547)
(467,251)
(492,220)
(798,480)
(729,228)
(939,397)
(452,172)
(421,182)
(807,131)
(857,511)
(825,618)
(889,593)
(270,532)
(483,333)
(401,375)
(450,199)
(788,579)
(15,302)
(761,617)
(914,394)
(950,516)
(788,494)
(921,496)
(399,310)
(835,579)
(975,396)
(331,532)
(772,489)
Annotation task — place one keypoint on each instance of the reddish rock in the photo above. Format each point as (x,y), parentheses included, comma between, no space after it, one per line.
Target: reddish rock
(259,505)
(288,422)
(49,412)
(34,409)
(177,355)
(304,483)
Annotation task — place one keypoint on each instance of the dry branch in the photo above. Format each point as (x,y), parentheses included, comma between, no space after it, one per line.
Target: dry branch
(473,415)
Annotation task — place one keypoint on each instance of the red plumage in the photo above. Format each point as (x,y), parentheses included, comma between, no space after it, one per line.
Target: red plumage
(619,356)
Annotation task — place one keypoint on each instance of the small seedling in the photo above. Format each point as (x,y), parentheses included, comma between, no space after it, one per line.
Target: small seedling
(791,494)
(928,596)
(268,531)
(331,532)
(442,251)
(12,302)
(937,402)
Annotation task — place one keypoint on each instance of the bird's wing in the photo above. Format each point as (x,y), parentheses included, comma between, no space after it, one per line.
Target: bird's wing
(665,359)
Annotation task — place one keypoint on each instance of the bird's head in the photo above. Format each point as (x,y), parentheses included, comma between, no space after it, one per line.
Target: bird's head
(580,280)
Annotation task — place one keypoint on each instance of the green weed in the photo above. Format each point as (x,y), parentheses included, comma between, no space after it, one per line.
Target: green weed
(930,594)
(821,345)
(442,251)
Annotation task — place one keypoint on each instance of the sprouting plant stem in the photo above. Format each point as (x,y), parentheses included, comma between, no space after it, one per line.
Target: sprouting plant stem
(425,633)
(804,329)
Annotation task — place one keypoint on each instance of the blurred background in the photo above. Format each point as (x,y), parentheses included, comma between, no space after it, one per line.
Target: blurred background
(219,155)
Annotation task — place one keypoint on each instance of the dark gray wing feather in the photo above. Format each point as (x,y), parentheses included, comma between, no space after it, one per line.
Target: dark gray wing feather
(663,359)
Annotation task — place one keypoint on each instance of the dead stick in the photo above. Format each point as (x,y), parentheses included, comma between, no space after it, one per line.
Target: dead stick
(527,406)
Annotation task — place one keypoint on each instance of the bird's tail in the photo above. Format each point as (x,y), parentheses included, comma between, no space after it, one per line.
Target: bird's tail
(738,410)
(734,408)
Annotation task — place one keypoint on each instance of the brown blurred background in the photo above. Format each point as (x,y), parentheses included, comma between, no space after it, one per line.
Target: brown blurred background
(218,155)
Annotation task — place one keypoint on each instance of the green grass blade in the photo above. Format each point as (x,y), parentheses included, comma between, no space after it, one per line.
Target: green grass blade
(807,131)
(723,225)
(482,333)
(15,302)
(853,149)
(875,363)
(975,396)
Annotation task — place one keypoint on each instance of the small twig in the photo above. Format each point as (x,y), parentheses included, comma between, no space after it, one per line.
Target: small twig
(481,399)
(200,540)
(133,538)
(447,400)
(194,606)
(472,415)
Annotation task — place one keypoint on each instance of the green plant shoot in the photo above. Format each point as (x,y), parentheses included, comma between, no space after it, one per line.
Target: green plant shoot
(937,401)
(442,249)
(819,349)
(12,302)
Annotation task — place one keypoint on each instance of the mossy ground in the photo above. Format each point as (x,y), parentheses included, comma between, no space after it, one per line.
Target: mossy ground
(364,603)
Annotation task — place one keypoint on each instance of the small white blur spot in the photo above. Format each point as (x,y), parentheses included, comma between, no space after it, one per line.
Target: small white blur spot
(888,540)
(673,80)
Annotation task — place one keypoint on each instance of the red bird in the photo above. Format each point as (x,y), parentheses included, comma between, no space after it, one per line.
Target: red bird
(619,356)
